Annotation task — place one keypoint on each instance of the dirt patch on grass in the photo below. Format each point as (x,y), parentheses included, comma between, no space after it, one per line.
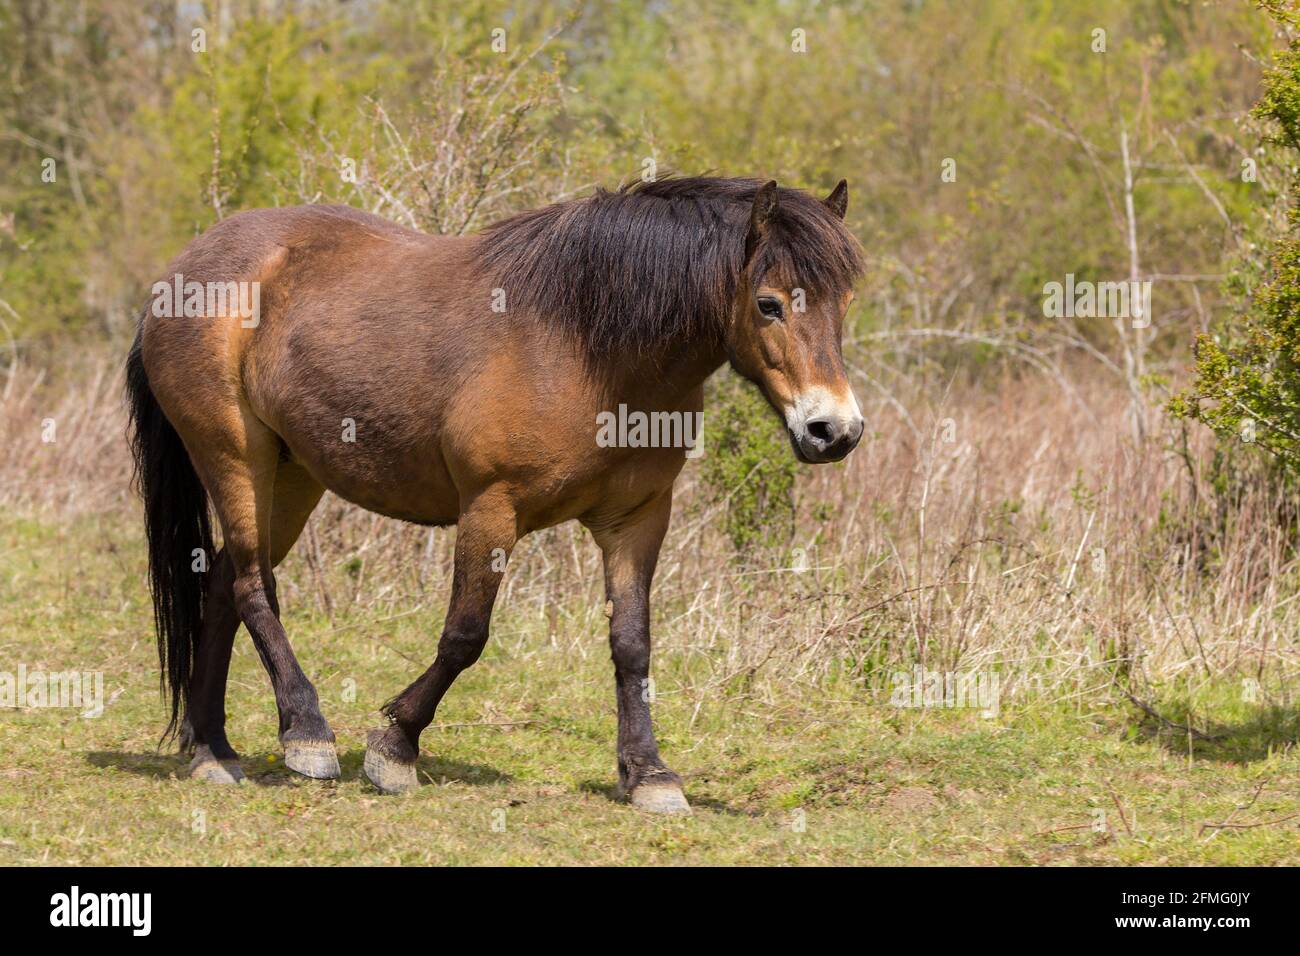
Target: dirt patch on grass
(912,800)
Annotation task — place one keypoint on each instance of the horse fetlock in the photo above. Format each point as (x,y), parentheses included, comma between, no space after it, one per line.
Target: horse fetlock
(216,743)
(185,739)
(637,769)
(402,710)
(394,743)
(306,724)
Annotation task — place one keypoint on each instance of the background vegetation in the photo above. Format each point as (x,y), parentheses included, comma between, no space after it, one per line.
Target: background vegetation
(1024,504)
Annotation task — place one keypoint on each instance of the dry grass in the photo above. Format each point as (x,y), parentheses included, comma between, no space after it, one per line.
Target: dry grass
(1018,528)
(773,684)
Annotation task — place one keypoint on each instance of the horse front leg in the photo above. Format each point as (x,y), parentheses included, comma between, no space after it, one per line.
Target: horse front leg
(485,535)
(631,549)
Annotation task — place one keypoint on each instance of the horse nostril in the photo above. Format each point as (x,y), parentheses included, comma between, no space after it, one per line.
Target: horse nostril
(821,430)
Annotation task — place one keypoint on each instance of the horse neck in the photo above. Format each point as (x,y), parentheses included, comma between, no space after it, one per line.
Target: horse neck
(670,377)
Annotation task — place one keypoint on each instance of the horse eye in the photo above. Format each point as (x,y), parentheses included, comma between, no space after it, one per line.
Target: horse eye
(770,307)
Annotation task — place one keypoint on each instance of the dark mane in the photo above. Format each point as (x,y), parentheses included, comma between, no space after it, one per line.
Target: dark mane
(655,262)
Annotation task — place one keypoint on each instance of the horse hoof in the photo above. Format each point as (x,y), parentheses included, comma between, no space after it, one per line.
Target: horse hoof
(388,775)
(312,758)
(660,798)
(209,769)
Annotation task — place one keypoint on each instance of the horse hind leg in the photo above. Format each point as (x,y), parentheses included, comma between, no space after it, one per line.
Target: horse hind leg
(309,746)
(215,760)
(241,469)
(204,729)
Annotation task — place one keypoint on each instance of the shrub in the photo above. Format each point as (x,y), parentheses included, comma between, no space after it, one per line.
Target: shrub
(1246,383)
(748,465)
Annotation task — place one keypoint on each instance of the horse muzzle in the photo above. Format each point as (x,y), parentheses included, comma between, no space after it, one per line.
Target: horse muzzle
(823,440)
(823,426)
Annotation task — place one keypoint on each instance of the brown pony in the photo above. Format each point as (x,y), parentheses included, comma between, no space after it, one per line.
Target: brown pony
(460,380)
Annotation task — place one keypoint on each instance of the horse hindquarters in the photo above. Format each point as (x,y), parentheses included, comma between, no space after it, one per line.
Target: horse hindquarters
(236,458)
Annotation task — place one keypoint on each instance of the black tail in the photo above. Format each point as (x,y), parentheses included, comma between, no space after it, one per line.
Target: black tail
(175,523)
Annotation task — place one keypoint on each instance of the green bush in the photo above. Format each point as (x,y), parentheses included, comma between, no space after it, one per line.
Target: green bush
(1247,375)
(749,466)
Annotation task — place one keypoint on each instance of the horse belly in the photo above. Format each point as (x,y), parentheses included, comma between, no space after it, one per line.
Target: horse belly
(383,455)
(422,496)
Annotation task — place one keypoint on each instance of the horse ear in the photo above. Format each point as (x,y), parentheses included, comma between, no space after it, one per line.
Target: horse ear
(838,200)
(760,216)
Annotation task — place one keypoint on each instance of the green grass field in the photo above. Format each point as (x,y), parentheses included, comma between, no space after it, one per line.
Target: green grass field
(519,766)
